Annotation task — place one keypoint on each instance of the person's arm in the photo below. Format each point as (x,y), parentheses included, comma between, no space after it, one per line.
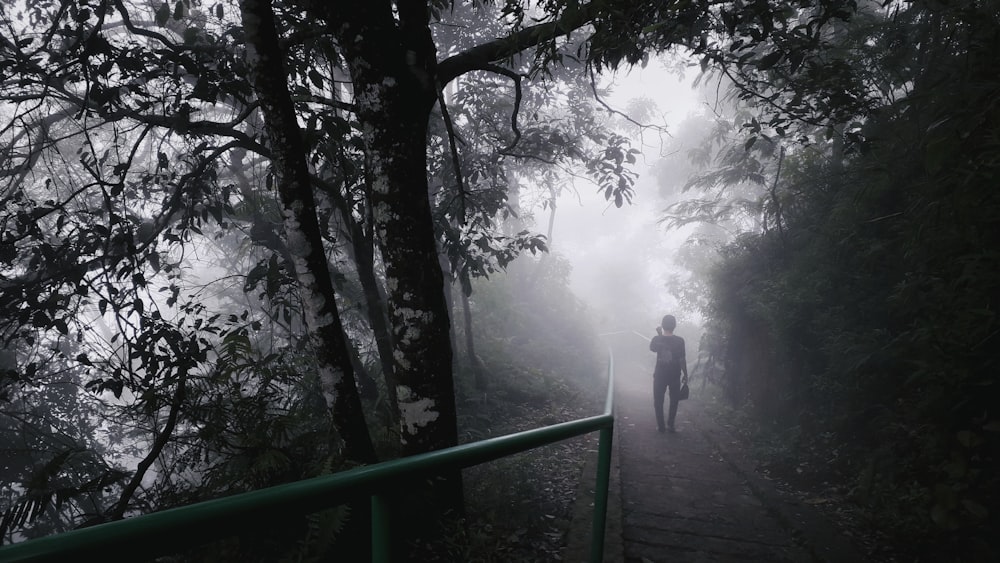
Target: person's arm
(684,363)
(654,342)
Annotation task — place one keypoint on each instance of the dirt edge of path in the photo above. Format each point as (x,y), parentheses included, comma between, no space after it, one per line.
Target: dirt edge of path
(811,528)
(578,537)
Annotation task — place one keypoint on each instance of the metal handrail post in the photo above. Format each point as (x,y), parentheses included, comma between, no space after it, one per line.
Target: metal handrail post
(603,471)
(381,530)
(601,496)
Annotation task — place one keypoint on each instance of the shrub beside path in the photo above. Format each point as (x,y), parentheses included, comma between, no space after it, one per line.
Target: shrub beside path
(694,495)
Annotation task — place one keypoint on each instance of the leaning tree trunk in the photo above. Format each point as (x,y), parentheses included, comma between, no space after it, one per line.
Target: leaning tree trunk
(269,78)
(364,254)
(449,294)
(478,376)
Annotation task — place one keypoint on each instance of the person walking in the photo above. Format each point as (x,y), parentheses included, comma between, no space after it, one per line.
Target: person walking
(671,364)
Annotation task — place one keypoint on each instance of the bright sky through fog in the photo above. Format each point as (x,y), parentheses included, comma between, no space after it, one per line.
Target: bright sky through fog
(607,244)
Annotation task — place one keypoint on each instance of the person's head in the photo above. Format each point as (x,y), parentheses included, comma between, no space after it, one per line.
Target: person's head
(669,323)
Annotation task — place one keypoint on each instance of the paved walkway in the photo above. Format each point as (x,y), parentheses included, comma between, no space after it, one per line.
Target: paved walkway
(693,496)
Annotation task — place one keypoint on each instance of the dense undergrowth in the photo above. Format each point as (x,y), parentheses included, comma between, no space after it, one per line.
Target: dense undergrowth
(858,322)
(860,332)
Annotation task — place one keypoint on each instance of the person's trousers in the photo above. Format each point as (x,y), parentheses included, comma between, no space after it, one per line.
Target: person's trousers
(660,385)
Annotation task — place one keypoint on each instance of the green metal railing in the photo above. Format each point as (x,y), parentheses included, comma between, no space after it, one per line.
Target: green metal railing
(187,526)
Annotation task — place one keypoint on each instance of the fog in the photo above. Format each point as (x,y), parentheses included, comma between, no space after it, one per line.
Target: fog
(622,257)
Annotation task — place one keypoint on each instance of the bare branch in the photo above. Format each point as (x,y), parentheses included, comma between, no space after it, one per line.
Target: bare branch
(162,438)
(478,57)
(529,156)
(455,161)
(323,100)
(516,77)
(774,197)
(593,88)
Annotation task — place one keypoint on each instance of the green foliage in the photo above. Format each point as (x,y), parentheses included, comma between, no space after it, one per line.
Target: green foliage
(71,476)
(873,316)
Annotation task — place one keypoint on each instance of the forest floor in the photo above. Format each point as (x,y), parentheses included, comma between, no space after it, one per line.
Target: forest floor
(519,508)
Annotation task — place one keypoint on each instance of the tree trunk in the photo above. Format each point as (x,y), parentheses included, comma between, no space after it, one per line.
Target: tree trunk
(449,294)
(391,59)
(552,216)
(392,70)
(362,252)
(302,233)
(377,319)
(470,344)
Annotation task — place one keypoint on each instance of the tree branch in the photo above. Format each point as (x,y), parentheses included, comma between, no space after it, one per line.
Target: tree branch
(324,101)
(516,77)
(455,161)
(597,97)
(775,200)
(118,511)
(478,57)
